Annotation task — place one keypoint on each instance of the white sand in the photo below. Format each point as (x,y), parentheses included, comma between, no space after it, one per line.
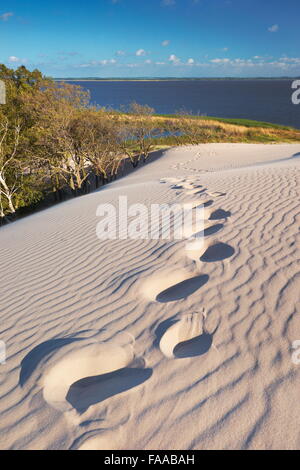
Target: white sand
(74,307)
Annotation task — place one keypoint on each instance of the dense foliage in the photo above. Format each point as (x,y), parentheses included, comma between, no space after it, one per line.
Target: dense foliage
(53,142)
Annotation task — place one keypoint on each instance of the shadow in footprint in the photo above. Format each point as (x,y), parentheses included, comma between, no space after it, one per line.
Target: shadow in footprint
(34,357)
(91,390)
(217,252)
(196,191)
(208,203)
(220,214)
(194,347)
(203,204)
(182,289)
(186,337)
(209,231)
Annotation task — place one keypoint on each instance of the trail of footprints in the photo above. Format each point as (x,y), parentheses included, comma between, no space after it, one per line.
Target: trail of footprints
(187,336)
(96,371)
(185,165)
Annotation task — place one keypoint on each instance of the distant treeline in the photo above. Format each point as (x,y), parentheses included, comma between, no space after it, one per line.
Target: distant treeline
(54,144)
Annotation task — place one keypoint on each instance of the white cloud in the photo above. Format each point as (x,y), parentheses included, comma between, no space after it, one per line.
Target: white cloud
(103,62)
(262,63)
(290,60)
(140,52)
(6,16)
(120,53)
(220,61)
(274,28)
(15,59)
(239,66)
(107,61)
(165,43)
(95,63)
(174,59)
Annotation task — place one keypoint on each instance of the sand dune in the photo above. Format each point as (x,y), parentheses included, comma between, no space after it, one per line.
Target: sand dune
(159,344)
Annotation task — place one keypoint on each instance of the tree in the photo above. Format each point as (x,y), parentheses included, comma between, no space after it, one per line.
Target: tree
(138,133)
(100,144)
(9,167)
(54,112)
(19,185)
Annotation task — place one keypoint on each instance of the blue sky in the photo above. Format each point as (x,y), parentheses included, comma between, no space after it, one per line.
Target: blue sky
(152,38)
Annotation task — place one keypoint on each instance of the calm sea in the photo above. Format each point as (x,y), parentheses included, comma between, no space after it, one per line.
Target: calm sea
(262,100)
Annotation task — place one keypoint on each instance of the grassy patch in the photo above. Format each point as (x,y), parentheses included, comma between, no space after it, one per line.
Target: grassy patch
(234,121)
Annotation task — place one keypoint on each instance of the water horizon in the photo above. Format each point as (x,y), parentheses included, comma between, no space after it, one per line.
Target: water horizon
(259,99)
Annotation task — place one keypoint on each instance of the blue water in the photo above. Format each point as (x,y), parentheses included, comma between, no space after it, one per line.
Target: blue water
(262,100)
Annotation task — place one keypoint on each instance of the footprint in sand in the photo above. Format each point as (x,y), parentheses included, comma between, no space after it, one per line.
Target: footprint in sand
(169,286)
(210,230)
(216,193)
(177,186)
(198,233)
(183,289)
(219,214)
(91,374)
(217,252)
(188,186)
(185,337)
(202,202)
(200,245)
(195,191)
(89,391)
(199,242)
(200,225)
(203,246)
(170,180)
